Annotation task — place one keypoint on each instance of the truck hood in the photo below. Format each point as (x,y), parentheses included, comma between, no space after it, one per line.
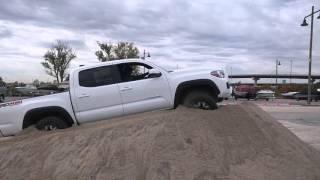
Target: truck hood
(198,69)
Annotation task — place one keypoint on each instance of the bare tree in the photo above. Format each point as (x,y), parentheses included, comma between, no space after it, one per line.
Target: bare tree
(57,60)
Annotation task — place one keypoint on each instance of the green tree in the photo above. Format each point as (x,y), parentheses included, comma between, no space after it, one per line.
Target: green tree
(36,83)
(57,60)
(105,53)
(122,50)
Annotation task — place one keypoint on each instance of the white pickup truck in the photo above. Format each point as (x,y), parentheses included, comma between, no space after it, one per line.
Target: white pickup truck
(116,88)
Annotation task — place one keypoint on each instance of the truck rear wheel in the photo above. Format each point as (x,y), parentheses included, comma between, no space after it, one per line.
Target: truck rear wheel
(200,100)
(51,123)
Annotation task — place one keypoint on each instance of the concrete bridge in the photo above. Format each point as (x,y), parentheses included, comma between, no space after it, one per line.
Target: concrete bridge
(257,77)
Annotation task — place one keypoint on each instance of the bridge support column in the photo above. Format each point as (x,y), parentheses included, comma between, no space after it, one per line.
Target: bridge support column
(256,79)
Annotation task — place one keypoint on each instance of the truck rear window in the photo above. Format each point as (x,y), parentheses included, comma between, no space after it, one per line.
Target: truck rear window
(95,77)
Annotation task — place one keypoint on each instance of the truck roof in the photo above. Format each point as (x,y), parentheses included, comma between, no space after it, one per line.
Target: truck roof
(108,63)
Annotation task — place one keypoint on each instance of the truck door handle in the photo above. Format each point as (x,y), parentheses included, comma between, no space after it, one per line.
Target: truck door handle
(83,96)
(126,89)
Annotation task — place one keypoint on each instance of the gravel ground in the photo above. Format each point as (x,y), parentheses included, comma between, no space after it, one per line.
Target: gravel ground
(238,142)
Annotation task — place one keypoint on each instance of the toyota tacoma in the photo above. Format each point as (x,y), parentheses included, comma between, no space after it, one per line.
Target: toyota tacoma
(112,89)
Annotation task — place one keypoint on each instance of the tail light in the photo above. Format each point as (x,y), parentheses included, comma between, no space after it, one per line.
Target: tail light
(218,74)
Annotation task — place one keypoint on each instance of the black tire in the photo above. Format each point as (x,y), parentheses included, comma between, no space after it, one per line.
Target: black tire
(200,100)
(51,123)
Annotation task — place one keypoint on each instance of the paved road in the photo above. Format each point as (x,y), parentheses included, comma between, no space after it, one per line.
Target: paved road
(302,120)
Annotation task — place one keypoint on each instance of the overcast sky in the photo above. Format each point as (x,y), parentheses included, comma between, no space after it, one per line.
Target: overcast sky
(246,36)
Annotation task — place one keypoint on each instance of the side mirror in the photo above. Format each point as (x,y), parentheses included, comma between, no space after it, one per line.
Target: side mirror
(153,73)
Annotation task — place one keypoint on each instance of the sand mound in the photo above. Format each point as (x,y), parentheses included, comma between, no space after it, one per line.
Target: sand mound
(234,142)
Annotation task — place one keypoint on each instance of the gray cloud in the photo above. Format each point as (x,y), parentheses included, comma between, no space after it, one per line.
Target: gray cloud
(5,33)
(75,43)
(240,33)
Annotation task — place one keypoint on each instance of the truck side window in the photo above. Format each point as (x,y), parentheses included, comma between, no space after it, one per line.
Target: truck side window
(95,77)
(133,71)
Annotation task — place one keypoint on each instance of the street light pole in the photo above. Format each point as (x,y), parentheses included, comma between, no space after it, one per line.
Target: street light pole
(290,71)
(310,49)
(145,54)
(277,64)
(144,58)
(310,57)
(276,72)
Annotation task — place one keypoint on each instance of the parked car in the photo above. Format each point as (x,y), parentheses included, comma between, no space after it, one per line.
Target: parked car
(289,95)
(265,94)
(112,89)
(45,90)
(27,90)
(245,91)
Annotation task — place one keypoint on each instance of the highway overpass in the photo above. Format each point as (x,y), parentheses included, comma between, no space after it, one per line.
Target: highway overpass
(257,77)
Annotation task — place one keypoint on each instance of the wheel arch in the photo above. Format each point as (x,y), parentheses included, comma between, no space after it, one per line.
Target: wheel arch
(34,115)
(187,86)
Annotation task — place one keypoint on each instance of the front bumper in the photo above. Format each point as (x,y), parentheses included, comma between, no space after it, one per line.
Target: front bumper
(225,94)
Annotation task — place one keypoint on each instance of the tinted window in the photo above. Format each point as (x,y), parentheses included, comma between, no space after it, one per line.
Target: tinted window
(96,77)
(133,71)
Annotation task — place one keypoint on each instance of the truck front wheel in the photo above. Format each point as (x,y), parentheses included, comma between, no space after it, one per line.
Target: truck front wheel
(200,100)
(51,123)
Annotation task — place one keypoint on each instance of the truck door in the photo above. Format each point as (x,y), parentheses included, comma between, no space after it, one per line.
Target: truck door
(140,93)
(97,94)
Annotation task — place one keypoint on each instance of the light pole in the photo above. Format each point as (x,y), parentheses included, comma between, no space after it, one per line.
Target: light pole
(144,55)
(144,58)
(290,71)
(277,64)
(304,23)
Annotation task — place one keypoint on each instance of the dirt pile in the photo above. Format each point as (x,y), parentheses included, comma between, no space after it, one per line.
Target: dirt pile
(234,142)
